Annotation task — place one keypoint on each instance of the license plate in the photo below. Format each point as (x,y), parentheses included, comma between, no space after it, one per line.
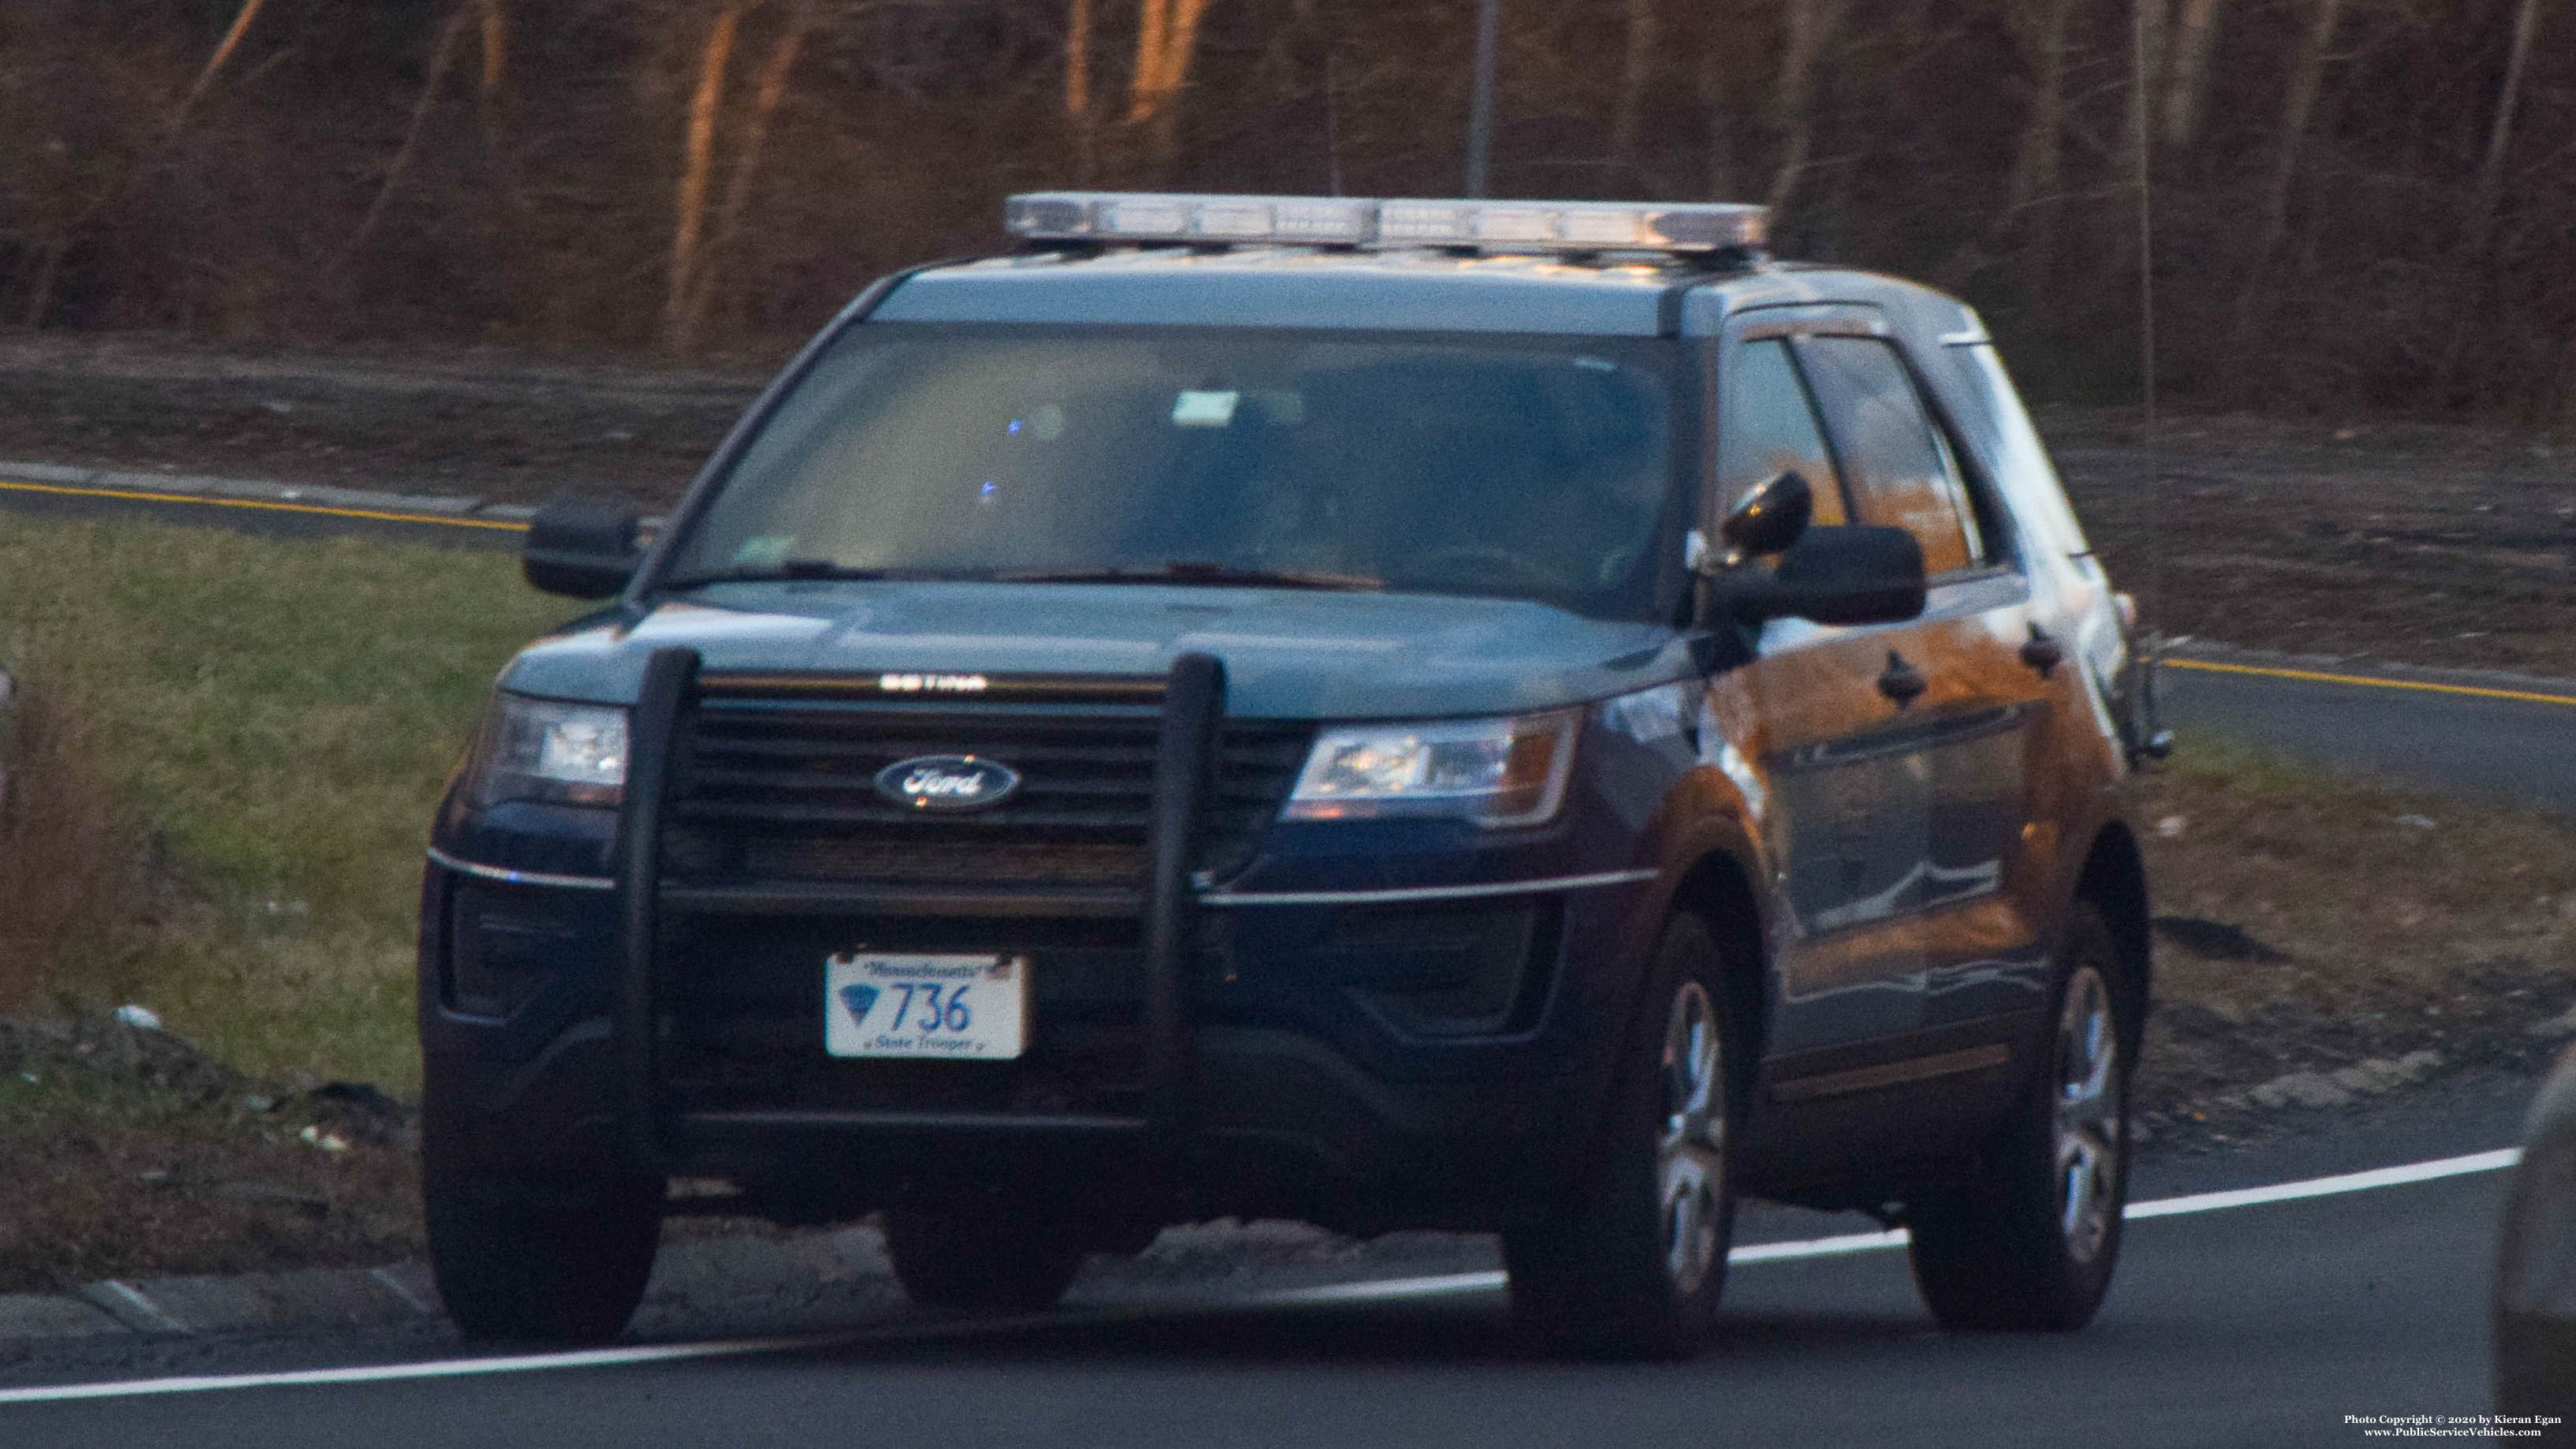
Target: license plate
(959,1008)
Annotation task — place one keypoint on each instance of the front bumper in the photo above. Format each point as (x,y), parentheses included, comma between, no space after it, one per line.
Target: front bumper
(1361,1055)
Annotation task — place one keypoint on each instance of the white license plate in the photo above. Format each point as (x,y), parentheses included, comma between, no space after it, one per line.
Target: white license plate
(958,1008)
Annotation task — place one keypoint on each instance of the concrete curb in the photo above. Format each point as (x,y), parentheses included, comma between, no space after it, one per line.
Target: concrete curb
(430,507)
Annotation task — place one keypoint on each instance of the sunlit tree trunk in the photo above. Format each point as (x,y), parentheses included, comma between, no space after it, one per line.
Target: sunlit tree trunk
(495,19)
(2195,39)
(215,63)
(768,91)
(1167,38)
(697,164)
(1079,118)
(1634,72)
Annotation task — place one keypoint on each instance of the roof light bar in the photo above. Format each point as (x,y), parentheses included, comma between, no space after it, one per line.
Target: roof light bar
(1554,226)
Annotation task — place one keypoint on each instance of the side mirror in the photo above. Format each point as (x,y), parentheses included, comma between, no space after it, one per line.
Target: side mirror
(582,547)
(1771,515)
(1833,575)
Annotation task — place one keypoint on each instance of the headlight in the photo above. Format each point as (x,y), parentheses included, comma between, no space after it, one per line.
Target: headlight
(1496,772)
(540,749)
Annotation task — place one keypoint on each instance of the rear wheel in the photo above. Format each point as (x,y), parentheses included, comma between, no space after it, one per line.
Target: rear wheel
(538,1260)
(2029,1243)
(981,1256)
(1633,1266)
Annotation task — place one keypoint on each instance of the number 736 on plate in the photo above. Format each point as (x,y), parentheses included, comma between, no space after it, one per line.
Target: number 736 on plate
(956,1007)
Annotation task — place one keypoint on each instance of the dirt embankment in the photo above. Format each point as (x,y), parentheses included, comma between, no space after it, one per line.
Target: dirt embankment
(2322,943)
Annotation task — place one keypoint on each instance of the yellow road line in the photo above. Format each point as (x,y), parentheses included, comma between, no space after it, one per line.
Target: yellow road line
(134,496)
(2373,681)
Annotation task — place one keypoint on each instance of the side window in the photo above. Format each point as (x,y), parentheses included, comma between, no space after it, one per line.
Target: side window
(1767,426)
(1902,474)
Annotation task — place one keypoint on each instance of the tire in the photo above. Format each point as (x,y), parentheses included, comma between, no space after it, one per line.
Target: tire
(1632,1267)
(523,1260)
(981,1257)
(2029,1243)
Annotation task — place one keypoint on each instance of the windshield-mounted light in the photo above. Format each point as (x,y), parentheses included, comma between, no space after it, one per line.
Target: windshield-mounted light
(543,749)
(1495,772)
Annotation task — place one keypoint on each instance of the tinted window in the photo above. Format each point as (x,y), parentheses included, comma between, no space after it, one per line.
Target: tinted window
(1901,475)
(1768,427)
(1527,467)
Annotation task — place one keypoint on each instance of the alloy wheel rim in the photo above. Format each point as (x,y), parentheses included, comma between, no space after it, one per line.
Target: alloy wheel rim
(1691,1155)
(2087,1116)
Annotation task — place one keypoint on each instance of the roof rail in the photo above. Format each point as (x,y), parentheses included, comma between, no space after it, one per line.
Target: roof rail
(1506,226)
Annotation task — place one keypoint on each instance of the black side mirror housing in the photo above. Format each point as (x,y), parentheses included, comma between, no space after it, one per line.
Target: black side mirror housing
(582,547)
(1850,574)
(1771,515)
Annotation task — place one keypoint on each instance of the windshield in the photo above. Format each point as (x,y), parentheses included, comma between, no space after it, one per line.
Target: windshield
(1530,467)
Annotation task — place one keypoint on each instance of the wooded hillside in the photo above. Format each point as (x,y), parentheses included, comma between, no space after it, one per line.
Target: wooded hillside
(2359,203)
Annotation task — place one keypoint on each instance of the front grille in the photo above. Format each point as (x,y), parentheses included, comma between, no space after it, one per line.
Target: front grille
(782,790)
(770,793)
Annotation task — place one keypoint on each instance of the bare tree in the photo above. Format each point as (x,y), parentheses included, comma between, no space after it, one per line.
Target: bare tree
(1167,37)
(2298,108)
(442,52)
(769,89)
(2187,71)
(1635,70)
(2490,183)
(2150,24)
(51,251)
(215,63)
(1079,118)
(2039,159)
(1811,27)
(697,163)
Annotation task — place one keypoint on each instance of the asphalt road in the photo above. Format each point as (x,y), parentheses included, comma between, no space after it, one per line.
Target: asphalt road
(2479,735)
(2253,1325)
(2257,1325)
(263,519)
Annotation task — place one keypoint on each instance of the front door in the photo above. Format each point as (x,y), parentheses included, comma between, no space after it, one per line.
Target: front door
(1985,690)
(1822,719)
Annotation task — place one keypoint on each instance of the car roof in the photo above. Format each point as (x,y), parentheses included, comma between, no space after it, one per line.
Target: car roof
(1419,289)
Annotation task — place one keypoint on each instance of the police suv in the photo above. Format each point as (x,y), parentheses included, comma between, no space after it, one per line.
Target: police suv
(1518,717)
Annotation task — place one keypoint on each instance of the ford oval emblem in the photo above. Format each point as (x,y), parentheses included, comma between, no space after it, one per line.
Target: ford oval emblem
(947,782)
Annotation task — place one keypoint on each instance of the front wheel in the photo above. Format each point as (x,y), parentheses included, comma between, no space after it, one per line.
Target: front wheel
(1632,1267)
(2030,1241)
(530,1260)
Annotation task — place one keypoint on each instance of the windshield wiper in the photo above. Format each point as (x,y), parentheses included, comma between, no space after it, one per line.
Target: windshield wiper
(1195,571)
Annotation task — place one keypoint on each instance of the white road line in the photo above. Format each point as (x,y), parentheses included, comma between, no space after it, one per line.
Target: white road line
(1377,1291)
(2209,1202)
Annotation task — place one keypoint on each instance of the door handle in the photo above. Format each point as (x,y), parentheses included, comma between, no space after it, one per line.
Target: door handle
(2042,652)
(1900,681)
